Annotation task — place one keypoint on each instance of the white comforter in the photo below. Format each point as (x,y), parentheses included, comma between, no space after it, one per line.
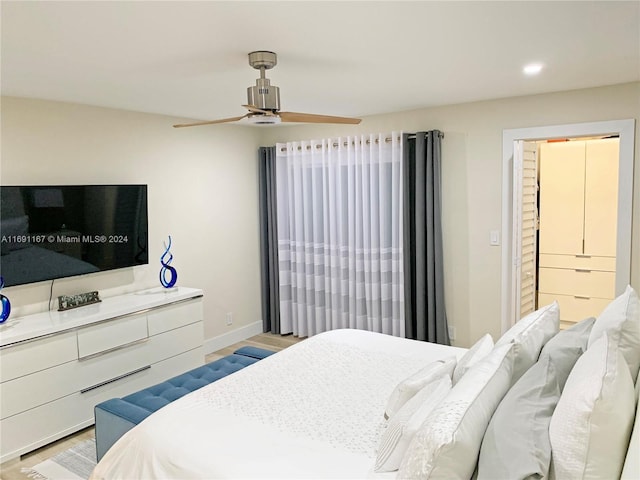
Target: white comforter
(314,410)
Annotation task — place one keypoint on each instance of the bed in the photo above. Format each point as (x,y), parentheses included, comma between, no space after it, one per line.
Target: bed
(315,410)
(299,413)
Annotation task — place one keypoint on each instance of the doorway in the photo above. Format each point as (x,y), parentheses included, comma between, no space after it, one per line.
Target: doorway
(568,225)
(514,142)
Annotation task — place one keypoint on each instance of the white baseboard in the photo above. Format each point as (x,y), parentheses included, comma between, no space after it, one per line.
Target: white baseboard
(222,341)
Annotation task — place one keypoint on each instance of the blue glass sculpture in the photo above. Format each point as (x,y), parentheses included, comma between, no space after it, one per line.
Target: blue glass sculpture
(167,270)
(6,304)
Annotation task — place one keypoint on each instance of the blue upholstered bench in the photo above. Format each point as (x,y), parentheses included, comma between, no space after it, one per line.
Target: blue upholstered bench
(117,416)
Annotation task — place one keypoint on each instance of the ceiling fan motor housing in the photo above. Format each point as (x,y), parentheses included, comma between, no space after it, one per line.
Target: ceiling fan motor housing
(264,95)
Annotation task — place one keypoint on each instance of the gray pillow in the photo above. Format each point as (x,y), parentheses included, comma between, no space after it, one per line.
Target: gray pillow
(516,444)
(575,336)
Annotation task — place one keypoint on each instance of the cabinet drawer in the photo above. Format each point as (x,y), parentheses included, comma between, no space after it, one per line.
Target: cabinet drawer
(158,372)
(607,264)
(24,393)
(45,386)
(172,343)
(29,391)
(103,368)
(29,357)
(174,316)
(574,309)
(110,335)
(575,282)
(41,425)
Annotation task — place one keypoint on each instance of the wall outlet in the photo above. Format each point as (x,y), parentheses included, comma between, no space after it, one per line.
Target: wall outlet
(452,332)
(229,318)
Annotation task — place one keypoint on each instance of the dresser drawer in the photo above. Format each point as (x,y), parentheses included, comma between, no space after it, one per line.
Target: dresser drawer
(28,357)
(39,426)
(172,343)
(157,372)
(110,335)
(574,309)
(174,316)
(27,392)
(99,369)
(24,393)
(586,283)
(606,264)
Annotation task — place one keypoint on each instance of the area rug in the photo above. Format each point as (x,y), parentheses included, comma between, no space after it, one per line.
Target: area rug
(76,463)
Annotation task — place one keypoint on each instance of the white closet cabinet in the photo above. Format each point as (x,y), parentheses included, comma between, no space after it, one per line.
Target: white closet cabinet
(578,220)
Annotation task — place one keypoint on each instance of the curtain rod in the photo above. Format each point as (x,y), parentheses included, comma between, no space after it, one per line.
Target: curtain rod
(367,142)
(344,144)
(413,135)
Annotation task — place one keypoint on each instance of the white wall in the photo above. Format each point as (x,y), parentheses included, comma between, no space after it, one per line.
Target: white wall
(202,190)
(214,218)
(471,181)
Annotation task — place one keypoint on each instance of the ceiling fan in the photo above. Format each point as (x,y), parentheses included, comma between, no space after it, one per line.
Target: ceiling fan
(264,101)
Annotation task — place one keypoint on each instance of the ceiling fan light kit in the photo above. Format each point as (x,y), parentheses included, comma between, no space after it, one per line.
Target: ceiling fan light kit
(264,119)
(263,100)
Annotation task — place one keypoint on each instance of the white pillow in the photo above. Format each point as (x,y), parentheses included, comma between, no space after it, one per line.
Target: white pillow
(621,319)
(529,335)
(590,427)
(448,442)
(416,382)
(631,470)
(406,422)
(477,352)
(516,444)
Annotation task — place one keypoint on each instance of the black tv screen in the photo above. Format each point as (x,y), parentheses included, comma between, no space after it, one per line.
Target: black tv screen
(56,231)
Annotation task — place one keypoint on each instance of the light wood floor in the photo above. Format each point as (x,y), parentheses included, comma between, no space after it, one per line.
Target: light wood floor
(11,470)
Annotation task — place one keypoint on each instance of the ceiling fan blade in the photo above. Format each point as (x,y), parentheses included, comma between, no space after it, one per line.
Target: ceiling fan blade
(313,118)
(211,122)
(253,109)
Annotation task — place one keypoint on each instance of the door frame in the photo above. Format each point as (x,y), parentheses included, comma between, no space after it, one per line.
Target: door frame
(625,129)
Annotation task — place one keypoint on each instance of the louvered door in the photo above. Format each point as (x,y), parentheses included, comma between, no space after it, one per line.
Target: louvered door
(529,228)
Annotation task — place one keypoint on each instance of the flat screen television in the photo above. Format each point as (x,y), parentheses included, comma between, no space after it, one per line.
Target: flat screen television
(56,231)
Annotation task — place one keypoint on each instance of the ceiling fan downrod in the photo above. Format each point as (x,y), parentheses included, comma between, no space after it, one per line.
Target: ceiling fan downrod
(263,95)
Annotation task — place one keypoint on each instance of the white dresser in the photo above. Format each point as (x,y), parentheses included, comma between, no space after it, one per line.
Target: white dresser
(578,224)
(56,366)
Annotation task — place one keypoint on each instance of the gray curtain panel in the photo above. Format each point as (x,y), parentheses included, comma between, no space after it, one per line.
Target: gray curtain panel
(269,240)
(425,316)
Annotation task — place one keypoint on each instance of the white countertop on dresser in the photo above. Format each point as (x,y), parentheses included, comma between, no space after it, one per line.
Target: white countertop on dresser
(29,327)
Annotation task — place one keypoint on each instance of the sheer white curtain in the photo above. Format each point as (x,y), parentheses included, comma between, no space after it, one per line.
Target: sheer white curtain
(339,208)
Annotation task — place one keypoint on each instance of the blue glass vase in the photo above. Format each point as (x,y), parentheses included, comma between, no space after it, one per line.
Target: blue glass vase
(168,274)
(5,303)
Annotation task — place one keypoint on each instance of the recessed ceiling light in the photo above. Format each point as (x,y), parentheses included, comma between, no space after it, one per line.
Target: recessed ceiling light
(532,69)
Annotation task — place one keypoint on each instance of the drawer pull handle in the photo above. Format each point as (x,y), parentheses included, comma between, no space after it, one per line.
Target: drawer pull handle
(582,270)
(119,347)
(583,256)
(582,297)
(120,377)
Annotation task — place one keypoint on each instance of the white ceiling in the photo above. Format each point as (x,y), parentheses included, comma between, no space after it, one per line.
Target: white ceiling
(189,59)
